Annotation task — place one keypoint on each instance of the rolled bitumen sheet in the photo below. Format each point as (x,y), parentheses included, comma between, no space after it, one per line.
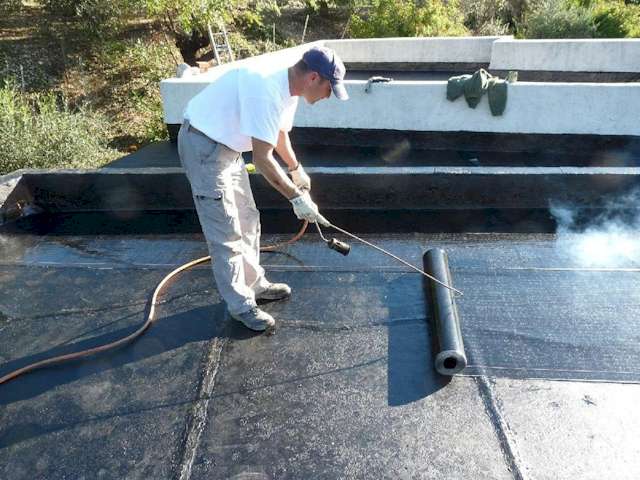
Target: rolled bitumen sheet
(450,357)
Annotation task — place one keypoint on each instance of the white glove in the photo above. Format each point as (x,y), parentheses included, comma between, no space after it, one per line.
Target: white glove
(306,209)
(300,178)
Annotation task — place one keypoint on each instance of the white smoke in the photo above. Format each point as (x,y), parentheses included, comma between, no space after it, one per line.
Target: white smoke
(609,240)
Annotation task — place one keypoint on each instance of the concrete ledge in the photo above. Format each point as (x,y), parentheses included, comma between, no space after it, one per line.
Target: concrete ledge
(14,197)
(548,108)
(579,55)
(415,50)
(337,188)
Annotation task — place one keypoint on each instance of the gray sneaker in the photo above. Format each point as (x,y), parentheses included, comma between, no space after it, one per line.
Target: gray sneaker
(275,291)
(255,319)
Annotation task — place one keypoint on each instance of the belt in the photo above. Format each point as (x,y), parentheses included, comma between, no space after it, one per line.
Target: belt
(195,130)
(198,132)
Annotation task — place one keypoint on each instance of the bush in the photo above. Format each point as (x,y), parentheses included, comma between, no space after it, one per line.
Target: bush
(323,6)
(615,19)
(559,19)
(399,18)
(129,90)
(99,18)
(486,17)
(12,6)
(39,131)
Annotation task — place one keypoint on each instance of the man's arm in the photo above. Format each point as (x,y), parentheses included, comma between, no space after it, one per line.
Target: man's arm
(269,168)
(285,150)
(298,175)
(303,206)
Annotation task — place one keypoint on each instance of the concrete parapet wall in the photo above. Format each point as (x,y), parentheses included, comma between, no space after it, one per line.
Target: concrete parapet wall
(547,108)
(580,55)
(415,50)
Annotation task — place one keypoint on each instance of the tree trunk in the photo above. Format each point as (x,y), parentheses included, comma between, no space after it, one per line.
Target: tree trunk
(189,45)
(324,8)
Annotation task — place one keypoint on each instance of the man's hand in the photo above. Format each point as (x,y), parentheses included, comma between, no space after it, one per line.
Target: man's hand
(306,209)
(300,178)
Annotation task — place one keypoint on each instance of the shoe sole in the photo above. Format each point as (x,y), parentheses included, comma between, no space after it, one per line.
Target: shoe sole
(265,328)
(272,297)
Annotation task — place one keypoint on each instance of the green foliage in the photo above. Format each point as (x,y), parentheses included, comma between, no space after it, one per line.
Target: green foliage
(486,17)
(185,21)
(399,18)
(583,19)
(559,19)
(11,6)
(100,19)
(131,71)
(616,19)
(40,131)
(186,16)
(323,6)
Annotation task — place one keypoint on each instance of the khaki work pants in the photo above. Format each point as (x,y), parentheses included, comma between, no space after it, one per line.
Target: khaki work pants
(228,216)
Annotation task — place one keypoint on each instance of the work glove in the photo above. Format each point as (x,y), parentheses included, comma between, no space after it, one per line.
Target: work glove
(300,178)
(306,209)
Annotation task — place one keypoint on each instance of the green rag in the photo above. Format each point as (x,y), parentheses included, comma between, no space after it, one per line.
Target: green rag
(475,86)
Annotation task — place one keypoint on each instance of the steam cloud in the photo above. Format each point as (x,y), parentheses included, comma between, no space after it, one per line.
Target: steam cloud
(610,240)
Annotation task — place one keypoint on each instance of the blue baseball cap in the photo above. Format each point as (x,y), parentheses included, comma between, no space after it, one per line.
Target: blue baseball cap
(325,61)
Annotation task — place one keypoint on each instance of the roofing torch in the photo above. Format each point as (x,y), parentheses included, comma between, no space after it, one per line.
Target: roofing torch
(344,248)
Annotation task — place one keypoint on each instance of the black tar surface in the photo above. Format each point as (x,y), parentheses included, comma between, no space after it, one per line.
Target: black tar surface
(344,389)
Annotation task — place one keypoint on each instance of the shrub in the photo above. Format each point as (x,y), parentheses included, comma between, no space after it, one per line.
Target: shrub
(323,6)
(129,90)
(99,18)
(559,19)
(616,19)
(398,18)
(486,17)
(40,131)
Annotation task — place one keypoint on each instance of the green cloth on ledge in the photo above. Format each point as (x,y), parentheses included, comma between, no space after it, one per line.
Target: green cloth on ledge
(475,86)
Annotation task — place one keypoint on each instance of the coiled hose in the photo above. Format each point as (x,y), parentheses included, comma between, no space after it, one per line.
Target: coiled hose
(150,319)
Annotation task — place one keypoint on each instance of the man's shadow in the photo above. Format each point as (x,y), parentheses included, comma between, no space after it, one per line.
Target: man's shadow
(201,324)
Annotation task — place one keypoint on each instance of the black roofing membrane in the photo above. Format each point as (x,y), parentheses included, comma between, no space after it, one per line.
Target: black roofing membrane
(282,221)
(402,148)
(529,311)
(345,388)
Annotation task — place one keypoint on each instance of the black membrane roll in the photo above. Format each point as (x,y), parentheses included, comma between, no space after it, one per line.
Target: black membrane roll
(450,357)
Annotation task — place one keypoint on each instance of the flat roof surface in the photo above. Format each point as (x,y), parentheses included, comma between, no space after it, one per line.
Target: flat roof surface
(344,389)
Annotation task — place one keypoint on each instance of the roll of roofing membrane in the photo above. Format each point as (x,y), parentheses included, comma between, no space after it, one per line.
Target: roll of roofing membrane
(450,358)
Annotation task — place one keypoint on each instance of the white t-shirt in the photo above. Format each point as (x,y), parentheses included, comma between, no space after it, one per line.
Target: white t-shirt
(242,103)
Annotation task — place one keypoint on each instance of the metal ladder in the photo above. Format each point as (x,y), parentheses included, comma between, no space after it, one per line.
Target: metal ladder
(220,43)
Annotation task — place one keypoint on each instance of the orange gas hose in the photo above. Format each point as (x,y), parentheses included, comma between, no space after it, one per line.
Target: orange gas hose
(150,319)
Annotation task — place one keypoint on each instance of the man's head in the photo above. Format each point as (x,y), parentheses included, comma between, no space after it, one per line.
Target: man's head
(320,72)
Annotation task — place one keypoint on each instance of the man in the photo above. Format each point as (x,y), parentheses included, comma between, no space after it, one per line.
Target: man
(250,108)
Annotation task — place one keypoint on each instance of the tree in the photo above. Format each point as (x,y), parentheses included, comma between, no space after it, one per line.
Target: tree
(185,20)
